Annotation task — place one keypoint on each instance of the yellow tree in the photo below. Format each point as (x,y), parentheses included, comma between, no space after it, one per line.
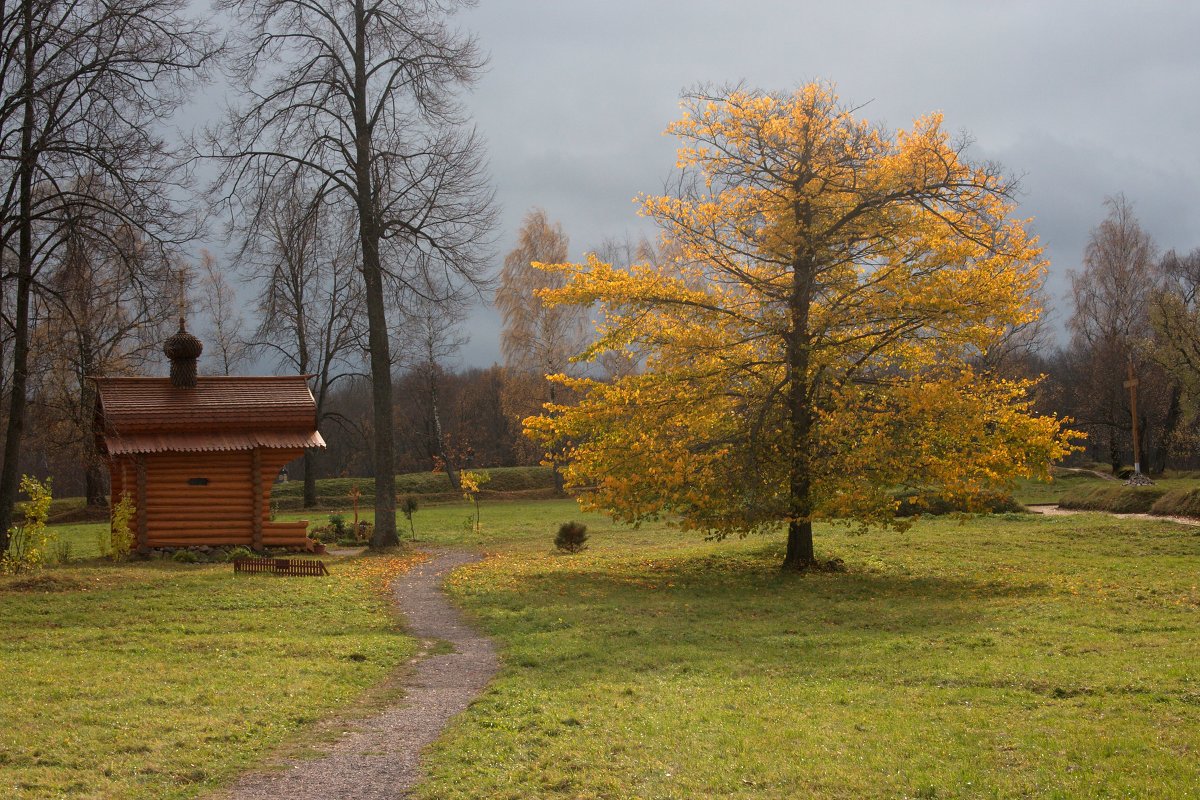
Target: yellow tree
(808,346)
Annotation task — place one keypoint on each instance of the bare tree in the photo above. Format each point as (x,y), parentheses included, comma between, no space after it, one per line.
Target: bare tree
(1175,319)
(1111,322)
(431,334)
(218,302)
(302,256)
(359,95)
(95,320)
(537,339)
(85,83)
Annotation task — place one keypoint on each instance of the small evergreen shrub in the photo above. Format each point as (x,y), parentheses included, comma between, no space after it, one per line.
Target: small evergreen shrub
(408,507)
(241,551)
(185,557)
(571,537)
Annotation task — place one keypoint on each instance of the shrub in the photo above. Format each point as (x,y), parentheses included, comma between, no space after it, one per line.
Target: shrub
(471,481)
(120,534)
(338,523)
(936,504)
(572,537)
(408,507)
(241,551)
(324,533)
(29,541)
(61,549)
(186,557)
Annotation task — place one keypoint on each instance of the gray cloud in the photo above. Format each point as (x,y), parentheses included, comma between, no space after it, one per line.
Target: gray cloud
(1082,99)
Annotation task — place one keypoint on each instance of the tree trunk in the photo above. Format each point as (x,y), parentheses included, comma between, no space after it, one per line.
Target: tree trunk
(559,488)
(439,439)
(95,487)
(384,451)
(310,479)
(800,554)
(384,458)
(10,478)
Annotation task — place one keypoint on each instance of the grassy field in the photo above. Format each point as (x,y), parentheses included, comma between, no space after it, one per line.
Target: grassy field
(158,680)
(1008,656)
(1013,656)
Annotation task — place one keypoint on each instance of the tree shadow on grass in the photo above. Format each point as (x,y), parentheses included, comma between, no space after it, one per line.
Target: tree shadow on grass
(742,615)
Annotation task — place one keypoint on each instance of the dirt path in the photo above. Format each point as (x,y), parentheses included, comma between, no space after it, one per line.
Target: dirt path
(1055,511)
(379,756)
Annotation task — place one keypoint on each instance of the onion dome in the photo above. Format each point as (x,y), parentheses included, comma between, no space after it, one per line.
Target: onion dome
(183,349)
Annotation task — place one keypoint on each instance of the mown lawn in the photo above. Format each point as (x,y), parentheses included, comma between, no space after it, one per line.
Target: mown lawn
(160,680)
(1008,656)
(1013,656)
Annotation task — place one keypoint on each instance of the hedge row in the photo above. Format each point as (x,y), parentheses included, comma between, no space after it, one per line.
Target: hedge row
(913,504)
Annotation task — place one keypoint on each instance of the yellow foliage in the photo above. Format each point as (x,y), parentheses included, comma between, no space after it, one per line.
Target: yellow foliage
(29,540)
(120,536)
(809,345)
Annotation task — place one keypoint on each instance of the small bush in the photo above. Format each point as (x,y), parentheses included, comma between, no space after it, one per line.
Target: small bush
(936,505)
(323,533)
(241,551)
(571,537)
(408,507)
(29,541)
(120,534)
(61,549)
(186,557)
(338,523)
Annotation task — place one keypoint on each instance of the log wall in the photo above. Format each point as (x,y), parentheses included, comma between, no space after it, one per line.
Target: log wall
(206,498)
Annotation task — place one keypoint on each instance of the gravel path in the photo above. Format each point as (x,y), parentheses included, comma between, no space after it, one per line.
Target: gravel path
(379,757)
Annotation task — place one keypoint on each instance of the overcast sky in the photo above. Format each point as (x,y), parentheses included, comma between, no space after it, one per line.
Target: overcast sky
(1080,99)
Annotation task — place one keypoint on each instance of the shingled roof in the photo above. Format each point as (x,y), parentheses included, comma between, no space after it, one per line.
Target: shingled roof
(150,415)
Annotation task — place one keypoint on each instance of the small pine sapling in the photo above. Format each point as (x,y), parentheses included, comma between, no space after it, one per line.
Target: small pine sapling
(408,507)
(572,537)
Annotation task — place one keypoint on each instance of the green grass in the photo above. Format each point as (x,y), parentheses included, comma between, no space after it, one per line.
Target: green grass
(1011,656)
(1115,498)
(154,680)
(335,492)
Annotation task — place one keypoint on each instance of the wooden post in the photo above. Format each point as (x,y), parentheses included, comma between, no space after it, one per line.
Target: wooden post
(143,528)
(1132,385)
(257,488)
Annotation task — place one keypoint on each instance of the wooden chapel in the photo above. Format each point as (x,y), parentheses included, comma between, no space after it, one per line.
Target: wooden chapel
(199,454)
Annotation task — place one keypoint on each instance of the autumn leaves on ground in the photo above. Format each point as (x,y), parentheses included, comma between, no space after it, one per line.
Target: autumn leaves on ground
(1011,655)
